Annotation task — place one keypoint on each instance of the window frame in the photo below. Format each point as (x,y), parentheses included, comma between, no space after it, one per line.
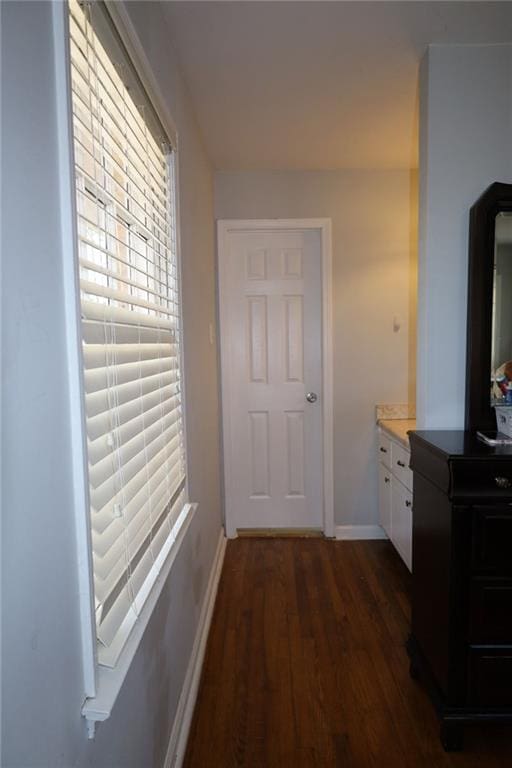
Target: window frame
(101,685)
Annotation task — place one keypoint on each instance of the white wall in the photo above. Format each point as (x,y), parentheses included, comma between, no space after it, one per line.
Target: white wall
(372,219)
(465,145)
(42,690)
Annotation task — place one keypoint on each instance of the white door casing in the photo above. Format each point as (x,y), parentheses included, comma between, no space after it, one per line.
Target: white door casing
(275,331)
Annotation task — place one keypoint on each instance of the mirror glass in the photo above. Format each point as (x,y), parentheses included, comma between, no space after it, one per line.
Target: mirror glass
(501,352)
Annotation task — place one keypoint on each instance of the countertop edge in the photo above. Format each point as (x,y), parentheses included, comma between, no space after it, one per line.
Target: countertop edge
(397,429)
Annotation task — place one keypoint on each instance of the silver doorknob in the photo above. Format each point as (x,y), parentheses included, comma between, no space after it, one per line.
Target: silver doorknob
(311,397)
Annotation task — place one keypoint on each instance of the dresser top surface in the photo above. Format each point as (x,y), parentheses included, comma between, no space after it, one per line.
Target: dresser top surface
(459,444)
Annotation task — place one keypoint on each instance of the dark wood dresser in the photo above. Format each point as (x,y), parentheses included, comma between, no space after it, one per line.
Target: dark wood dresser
(461,634)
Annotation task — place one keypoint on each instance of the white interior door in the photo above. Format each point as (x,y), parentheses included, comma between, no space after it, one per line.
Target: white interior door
(271,352)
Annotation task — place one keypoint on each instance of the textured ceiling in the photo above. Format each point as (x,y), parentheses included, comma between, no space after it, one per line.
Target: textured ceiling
(316,85)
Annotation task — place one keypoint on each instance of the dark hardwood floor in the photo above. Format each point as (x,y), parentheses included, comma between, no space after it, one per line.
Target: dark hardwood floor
(306,666)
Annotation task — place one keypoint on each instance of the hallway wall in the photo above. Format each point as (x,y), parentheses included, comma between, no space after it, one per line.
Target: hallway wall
(465,137)
(373,214)
(42,687)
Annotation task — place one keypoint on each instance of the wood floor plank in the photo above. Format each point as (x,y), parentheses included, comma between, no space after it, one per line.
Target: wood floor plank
(306,666)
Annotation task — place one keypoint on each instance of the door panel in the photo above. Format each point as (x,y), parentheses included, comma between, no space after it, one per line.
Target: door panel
(295,452)
(257,322)
(294,338)
(259,448)
(271,341)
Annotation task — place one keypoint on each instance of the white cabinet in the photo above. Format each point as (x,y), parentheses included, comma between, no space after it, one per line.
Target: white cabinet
(395,494)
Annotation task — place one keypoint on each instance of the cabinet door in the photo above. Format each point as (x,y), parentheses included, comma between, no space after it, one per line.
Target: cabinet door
(385,498)
(490,616)
(492,534)
(401,521)
(490,677)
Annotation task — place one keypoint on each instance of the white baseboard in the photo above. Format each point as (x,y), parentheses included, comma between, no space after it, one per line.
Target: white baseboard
(358,532)
(180,730)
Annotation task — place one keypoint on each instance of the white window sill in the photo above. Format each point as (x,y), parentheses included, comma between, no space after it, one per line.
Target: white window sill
(109,681)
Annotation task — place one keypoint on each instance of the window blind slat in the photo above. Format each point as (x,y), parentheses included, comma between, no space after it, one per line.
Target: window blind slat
(101,448)
(162,543)
(122,270)
(118,187)
(94,160)
(117,213)
(99,224)
(110,317)
(99,426)
(113,563)
(109,565)
(106,527)
(100,402)
(100,117)
(122,296)
(127,457)
(95,355)
(93,332)
(100,82)
(105,378)
(110,151)
(88,125)
(146,556)
(118,486)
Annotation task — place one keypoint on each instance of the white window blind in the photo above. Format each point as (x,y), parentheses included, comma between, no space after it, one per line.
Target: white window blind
(125,196)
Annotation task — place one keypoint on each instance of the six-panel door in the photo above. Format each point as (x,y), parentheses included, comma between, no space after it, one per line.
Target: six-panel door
(272,357)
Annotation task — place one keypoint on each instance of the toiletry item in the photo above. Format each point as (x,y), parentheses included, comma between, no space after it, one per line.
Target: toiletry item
(504,419)
(501,383)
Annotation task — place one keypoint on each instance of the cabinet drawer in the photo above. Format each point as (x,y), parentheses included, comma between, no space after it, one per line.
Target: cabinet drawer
(490,677)
(492,539)
(384,448)
(400,459)
(491,611)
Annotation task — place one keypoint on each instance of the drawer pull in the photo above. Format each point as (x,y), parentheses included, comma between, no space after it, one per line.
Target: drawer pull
(386,479)
(503,482)
(408,503)
(400,463)
(383,450)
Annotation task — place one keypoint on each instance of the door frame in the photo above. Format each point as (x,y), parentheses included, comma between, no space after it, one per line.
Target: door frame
(324,227)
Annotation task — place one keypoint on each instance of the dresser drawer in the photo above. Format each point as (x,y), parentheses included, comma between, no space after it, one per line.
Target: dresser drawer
(482,479)
(400,459)
(492,539)
(384,449)
(490,677)
(490,620)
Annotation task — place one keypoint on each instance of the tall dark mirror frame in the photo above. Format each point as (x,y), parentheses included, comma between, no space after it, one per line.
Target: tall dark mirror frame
(482,222)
